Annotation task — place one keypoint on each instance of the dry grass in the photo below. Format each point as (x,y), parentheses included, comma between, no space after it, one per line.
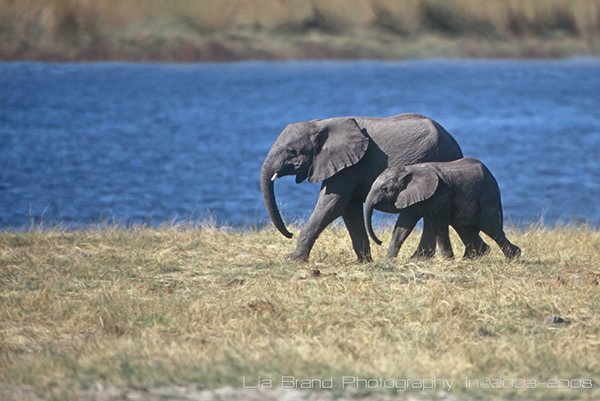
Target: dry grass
(144,307)
(239,29)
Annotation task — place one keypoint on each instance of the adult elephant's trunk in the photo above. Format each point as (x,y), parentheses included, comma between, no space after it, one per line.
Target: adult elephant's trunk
(369,204)
(268,191)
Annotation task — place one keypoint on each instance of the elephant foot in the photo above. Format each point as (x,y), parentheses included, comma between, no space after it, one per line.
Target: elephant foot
(447,255)
(513,252)
(484,249)
(471,255)
(365,259)
(297,256)
(422,253)
(471,252)
(391,256)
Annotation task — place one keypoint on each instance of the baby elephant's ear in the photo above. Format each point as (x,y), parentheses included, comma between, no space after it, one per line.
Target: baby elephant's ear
(341,144)
(421,183)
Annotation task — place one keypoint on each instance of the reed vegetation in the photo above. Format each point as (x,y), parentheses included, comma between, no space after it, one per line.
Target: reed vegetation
(266,29)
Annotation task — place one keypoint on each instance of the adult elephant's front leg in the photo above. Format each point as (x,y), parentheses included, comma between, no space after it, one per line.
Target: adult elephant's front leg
(330,205)
(427,244)
(355,223)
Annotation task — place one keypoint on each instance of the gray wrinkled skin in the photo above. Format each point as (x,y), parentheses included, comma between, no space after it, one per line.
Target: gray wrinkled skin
(461,193)
(347,154)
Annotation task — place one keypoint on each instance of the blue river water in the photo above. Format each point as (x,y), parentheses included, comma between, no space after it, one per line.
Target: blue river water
(90,143)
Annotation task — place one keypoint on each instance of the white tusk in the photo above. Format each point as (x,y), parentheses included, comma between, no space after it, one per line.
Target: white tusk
(274,177)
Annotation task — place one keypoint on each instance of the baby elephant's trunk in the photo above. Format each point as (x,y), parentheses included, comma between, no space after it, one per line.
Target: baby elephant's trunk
(368,217)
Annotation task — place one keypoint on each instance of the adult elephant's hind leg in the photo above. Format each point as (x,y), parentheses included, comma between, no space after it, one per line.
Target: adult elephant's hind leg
(353,218)
(474,245)
(426,247)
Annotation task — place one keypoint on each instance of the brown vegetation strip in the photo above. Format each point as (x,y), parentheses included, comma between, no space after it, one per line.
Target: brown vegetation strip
(265,29)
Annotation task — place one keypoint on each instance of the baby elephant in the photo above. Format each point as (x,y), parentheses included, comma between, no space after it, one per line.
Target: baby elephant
(462,193)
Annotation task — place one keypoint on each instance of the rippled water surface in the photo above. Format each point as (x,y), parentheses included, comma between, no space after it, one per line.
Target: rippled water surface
(152,143)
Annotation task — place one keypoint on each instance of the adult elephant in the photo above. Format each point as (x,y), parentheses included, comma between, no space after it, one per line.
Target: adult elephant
(347,154)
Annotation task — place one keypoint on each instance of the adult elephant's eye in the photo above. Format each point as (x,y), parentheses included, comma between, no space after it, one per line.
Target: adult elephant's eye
(292,152)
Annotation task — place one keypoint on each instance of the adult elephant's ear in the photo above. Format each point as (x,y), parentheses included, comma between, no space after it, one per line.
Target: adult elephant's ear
(420,184)
(340,144)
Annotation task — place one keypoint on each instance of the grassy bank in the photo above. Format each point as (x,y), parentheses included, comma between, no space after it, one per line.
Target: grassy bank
(141,307)
(265,29)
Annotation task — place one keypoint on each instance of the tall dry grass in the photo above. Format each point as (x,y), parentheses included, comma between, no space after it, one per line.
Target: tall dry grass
(225,29)
(143,307)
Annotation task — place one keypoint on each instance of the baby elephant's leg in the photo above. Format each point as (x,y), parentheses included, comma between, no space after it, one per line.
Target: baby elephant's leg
(404,225)
(426,248)
(474,245)
(443,239)
(495,231)
(510,250)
